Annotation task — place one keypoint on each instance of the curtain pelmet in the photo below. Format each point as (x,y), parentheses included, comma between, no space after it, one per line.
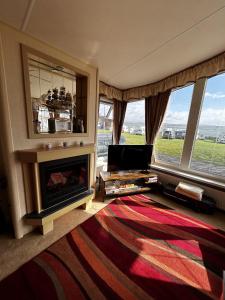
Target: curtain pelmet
(110,92)
(207,68)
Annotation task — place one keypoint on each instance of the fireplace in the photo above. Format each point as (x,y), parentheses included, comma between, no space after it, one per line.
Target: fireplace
(63,180)
(57,181)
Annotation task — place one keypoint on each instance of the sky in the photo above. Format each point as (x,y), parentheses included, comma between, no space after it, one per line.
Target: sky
(135,112)
(213,109)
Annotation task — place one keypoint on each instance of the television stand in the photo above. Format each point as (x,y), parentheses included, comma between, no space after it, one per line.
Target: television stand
(126,182)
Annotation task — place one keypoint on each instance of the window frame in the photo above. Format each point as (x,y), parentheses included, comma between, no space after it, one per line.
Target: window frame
(190,138)
(135,101)
(107,102)
(111,104)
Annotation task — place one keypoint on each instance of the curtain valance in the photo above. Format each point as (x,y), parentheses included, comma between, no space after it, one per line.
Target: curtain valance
(110,92)
(207,68)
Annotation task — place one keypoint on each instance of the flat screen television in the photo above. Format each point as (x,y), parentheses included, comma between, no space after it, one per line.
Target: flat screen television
(129,157)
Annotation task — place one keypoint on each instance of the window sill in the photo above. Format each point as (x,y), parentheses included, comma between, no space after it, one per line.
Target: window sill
(195,178)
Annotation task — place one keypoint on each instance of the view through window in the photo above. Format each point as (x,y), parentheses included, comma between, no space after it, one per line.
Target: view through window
(209,149)
(104,133)
(208,146)
(170,140)
(133,132)
(174,143)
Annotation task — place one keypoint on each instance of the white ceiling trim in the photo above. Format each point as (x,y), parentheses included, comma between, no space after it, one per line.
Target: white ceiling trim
(27,15)
(167,42)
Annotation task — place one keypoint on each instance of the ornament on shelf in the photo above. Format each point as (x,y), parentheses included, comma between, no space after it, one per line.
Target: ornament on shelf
(78,125)
(59,99)
(48,146)
(62,93)
(51,123)
(49,98)
(37,126)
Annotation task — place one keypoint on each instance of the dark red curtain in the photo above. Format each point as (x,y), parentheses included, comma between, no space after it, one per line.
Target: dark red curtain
(119,110)
(155,107)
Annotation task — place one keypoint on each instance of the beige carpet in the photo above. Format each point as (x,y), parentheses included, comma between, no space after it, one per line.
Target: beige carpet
(14,253)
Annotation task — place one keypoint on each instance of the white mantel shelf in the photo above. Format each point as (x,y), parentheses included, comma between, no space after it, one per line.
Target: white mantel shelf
(41,155)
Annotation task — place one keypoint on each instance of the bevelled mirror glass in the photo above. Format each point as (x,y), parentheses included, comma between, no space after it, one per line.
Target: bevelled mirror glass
(56,96)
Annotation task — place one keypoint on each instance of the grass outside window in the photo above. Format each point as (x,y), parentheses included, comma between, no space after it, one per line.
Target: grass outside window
(172,147)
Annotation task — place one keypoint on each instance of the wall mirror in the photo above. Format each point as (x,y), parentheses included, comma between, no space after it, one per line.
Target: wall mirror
(56,96)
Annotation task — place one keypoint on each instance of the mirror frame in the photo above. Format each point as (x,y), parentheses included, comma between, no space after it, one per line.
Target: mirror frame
(25,51)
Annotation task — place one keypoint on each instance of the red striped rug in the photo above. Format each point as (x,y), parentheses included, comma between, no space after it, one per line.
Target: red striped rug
(134,248)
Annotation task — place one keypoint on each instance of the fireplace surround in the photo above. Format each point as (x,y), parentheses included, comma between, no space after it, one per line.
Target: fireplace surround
(56,181)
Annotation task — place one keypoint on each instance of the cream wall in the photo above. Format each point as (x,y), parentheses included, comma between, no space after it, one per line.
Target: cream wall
(13,112)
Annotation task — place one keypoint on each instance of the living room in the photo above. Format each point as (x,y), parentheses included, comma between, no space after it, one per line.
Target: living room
(72,83)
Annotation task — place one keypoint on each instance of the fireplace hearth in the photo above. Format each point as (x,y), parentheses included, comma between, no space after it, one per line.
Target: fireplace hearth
(63,180)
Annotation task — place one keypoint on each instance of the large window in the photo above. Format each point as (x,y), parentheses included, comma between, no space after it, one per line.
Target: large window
(104,132)
(170,140)
(133,132)
(209,148)
(192,135)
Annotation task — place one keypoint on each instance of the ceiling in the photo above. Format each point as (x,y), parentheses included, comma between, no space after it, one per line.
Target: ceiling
(132,42)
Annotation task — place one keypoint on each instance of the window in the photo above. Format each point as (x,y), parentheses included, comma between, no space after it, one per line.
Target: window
(104,132)
(170,140)
(209,147)
(192,135)
(133,132)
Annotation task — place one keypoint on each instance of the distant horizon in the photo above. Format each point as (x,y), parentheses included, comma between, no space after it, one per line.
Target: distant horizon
(213,131)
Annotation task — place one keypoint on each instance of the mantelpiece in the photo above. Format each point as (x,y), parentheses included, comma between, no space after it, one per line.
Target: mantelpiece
(42,154)
(31,160)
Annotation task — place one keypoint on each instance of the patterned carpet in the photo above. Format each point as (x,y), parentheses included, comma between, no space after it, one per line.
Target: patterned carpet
(134,248)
